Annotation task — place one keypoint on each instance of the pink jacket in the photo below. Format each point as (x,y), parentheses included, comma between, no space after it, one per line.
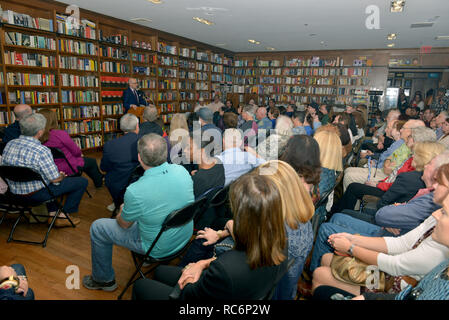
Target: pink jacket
(60,139)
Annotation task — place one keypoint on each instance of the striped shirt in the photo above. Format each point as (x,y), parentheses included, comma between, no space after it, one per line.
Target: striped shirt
(29,152)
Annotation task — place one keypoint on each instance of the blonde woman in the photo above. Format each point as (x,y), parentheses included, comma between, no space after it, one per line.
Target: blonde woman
(178,136)
(330,157)
(272,147)
(297,210)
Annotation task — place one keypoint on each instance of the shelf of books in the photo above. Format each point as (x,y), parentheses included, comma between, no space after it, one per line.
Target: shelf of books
(187,78)
(245,81)
(167,73)
(203,76)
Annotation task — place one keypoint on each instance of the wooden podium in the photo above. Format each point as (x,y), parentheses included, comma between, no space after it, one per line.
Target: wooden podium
(138,112)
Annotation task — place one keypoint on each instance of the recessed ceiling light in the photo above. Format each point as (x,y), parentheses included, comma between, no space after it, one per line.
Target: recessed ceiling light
(209,23)
(271,48)
(141,20)
(442,38)
(221,44)
(253,41)
(421,25)
(312,34)
(390,45)
(397,6)
(155,1)
(391,36)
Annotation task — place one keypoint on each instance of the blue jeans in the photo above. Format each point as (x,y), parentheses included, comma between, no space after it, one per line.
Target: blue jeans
(104,233)
(342,223)
(73,187)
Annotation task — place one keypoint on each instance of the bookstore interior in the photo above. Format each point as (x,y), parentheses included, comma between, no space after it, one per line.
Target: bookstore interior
(76,58)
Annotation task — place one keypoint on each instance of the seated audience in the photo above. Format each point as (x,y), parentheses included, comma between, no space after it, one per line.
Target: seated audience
(230,120)
(27,151)
(441,101)
(298,119)
(273,146)
(326,111)
(120,159)
(149,125)
(249,127)
(404,260)
(445,137)
(344,119)
(13,130)
(351,124)
(262,120)
(249,270)
(273,114)
(206,120)
(14,283)
(236,162)
(162,189)
(215,105)
(360,124)
(440,119)
(177,137)
(55,138)
(428,115)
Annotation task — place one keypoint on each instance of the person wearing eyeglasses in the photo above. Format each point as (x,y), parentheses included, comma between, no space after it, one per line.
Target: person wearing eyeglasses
(133,97)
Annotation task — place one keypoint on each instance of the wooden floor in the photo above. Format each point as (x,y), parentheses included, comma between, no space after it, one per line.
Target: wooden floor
(46,267)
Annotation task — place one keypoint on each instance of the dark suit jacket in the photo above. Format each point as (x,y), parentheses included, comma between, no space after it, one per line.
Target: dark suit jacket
(403,189)
(11,132)
(130,98)
(229,277)
(150,127)
(119,161)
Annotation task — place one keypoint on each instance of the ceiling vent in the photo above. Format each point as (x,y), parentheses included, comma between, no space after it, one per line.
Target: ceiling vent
(421,25)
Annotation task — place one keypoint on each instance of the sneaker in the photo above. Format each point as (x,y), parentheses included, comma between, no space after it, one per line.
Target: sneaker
(111,207)
(91,284)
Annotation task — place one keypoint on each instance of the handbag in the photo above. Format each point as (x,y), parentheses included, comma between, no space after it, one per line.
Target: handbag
(353,271)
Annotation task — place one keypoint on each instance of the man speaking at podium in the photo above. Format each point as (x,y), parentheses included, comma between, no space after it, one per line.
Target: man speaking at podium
(132,97)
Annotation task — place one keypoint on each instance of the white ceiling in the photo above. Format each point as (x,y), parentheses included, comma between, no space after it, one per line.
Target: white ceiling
(285,24)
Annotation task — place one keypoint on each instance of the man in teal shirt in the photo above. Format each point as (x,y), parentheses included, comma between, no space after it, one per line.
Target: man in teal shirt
(162,189)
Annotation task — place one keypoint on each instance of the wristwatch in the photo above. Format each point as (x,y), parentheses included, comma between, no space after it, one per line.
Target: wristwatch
(350,249)
(11,281)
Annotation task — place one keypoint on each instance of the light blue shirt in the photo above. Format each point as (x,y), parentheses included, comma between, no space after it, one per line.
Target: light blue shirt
(439,132)
(265,123)
(299,130)
(384,155)
(237,162)
(148,201)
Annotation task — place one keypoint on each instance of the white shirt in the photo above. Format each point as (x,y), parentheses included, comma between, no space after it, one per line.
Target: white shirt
(402,260)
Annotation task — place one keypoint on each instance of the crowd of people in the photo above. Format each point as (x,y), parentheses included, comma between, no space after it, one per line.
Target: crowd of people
(282,166)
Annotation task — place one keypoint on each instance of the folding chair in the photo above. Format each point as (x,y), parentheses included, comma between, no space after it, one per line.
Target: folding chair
(23,204)
(175,219)
(217,208)
(133,177)
(58,154)
(199,221)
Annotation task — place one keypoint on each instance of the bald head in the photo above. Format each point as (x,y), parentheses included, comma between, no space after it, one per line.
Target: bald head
(132,82)
(232,138)
(22,110)
(261,113)
(393,115)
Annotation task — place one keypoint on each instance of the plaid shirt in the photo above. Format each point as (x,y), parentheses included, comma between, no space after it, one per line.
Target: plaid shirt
(440,104)
(29,152)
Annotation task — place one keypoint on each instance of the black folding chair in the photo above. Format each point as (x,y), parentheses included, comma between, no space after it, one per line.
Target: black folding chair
(14,202)
(175,219)
(203,215)
(58,154)
(133,177)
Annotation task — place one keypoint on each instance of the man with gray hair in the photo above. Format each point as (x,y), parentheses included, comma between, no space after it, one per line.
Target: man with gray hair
(439,120)
(162,189)
(27,151)
(149,125)
(249,127)
(120,159)
(13,130)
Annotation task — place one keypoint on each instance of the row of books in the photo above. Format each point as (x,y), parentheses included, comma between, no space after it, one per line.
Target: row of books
(147,84)
(355,72)
(116,53)
(308,81)
(203,56)
(4,117)
(115,67)
(186,75)
(167,73)
(114,82)
(270,72)
(216,58)
(202,76)
(167,61)
(187,95)
(89,141)
(186,85)
(30,79)
(78,47)
(85,126)
(29,59)
(313,62)
(353,81)
(245,63)
(216,78)
(203,94)
(68,96)
(270,80)
(168,107)
(217,68)
(245,72)
(76,63)
(73,80)
(168,84)
(110,124)
(115,38)
(26,40)
(82,28)
(144,71)
(201,86)
(268,63)
(166,118)
(165,48)
(187,64)
(325,72)
(111,96)
(169,96)
(138,57)
(24,20)
(81,112)
(3,99)
(32,97)
(245,81)
(187,53)
(186,106)
(202,67)
(112,109)
(142,45)
(2,80)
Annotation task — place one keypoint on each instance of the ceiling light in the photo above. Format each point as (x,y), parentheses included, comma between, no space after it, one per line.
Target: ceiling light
(390,45)
(271,48)
(421,25)
(155,1)
(209,23)
(397,6)
(221,44)
(253,41)
(391,36)
(141,20)
(442,38)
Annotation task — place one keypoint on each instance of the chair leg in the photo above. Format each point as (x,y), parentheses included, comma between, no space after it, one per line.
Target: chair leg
(13,229)
(88,193)
(130,282)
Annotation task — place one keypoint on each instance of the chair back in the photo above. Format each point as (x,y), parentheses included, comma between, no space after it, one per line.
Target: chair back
(220,197)
(58,154)
(184,215)
(20,174)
